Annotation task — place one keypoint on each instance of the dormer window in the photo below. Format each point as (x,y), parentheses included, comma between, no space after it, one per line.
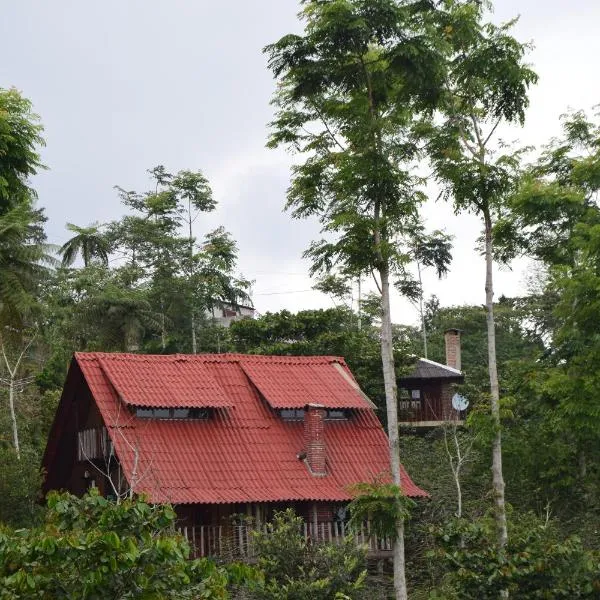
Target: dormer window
(334,414)
(297,414)
(292,414)
(172,413)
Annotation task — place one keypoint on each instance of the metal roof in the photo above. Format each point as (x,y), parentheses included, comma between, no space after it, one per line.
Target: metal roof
(429,369)
(244,452)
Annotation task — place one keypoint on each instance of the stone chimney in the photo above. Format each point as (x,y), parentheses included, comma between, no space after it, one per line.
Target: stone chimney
(314,439)
(452,337)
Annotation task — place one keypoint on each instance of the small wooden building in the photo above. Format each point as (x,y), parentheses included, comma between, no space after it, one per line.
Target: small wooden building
(222,437)
(425,398)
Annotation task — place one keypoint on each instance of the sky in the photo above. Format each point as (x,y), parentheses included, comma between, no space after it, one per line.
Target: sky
(124,85)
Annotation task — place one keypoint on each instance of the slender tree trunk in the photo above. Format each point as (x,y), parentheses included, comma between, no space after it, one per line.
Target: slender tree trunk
(163,327)
(194,345)
(191,257)
(421,312)
(497,476)
(391,400)
(358,305)
(13,415)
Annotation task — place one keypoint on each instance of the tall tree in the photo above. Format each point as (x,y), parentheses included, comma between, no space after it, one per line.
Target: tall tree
(556,218)
(348,88)
(486,85)
(185,278)
(24,257)
(87,241)
(20,138)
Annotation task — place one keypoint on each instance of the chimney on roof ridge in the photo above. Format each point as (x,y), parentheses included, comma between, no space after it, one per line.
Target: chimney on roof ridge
(314,439)
(452,338)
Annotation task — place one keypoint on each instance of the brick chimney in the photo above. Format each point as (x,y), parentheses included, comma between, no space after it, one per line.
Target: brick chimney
(452,337)
(314,439)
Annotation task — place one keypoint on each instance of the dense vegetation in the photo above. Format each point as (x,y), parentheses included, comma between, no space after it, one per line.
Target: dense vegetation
(370,91)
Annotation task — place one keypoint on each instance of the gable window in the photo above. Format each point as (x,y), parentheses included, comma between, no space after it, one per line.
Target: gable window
(172,413)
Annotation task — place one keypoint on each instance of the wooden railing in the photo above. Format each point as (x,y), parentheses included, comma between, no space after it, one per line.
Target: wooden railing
(237,541)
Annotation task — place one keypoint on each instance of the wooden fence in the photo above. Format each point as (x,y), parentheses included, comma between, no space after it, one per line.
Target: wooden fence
(237,541)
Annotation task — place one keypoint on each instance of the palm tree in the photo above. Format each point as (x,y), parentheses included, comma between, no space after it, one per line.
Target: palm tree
(87,241)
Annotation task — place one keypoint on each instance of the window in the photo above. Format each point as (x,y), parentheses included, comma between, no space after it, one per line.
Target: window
(410,399)
(292,414)
(297,414)
(181,413)
(336,415)
(172,413)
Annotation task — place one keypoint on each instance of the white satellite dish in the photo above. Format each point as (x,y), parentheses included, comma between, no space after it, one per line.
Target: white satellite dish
(459,402)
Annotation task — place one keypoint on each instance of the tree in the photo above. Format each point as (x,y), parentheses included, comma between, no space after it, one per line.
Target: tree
(93,548)
(20,138)
(486,85)
(555,217)
(159,244)
(537,563)
(348,89)
(23,257)
(429,250)
(87,241)
(14,347)
(293,568)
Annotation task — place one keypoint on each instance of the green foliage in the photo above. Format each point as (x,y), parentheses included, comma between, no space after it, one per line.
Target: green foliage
(382,504)
(347,94)
(93,548)
(536,564)
(89,242)
(20,481)
(22,257)
(20,139)
(294,569)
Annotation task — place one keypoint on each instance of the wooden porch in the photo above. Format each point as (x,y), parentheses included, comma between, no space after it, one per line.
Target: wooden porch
(236,542)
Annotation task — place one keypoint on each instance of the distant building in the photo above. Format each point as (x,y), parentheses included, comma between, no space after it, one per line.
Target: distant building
(426,394)
(228,313)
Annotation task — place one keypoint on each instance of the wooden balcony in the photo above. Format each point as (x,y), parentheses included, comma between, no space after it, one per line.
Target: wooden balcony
(236,542)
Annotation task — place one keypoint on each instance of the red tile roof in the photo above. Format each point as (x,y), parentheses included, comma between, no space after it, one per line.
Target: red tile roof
(244,452)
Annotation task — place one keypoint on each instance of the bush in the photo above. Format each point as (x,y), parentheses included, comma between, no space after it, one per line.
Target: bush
(535,565)
(294,569)
(96,549)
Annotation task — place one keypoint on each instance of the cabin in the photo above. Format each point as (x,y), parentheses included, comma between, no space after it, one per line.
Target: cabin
(425,395)
(226,438)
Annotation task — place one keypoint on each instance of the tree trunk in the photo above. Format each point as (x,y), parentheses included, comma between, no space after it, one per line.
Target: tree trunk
(421,311)
(194,345)
(13,415)
(497,476)
(191,259)
(391,401)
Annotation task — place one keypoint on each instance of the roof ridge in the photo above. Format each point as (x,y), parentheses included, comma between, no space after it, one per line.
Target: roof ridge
(211,357)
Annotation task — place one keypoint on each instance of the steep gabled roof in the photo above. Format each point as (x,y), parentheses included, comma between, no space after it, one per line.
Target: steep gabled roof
(429,369)
(244,452)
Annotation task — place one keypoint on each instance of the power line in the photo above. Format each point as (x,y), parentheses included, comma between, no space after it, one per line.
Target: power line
(280,293)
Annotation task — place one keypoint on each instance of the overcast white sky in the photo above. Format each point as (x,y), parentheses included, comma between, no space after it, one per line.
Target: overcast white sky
(124,85)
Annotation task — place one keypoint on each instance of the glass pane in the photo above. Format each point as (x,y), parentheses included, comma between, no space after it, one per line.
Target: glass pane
(144,413)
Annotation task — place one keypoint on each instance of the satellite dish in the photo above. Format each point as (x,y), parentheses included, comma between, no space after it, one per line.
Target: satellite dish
(459,402)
